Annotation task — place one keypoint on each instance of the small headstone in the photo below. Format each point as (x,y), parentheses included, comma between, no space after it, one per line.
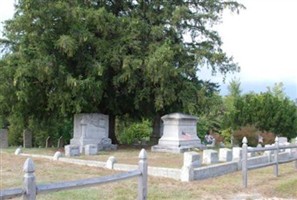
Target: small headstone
(210,156)
(3,138)
(18,151)
(72,150)
(236,153)
(57,155)
(27,138)
(225,155)
(110,162)
(282,140)
(91,149)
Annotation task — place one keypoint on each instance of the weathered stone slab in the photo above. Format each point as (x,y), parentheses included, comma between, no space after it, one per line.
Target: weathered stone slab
(72,150)
(210,156)
(89,128)
(27,138)
(3,138)
(225,155)
(179,134)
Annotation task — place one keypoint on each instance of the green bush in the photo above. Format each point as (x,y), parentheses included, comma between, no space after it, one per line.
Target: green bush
(227,135)
(15,133)
(136,131)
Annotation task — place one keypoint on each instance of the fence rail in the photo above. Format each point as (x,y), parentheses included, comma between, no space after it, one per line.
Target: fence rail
(276,150)
(30,189)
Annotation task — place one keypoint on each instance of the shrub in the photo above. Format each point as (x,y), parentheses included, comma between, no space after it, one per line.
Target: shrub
(136,131)
(268,137)
(250,132)
(226,134)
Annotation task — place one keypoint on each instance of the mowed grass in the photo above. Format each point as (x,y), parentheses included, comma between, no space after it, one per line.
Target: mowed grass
(261,182)
(124,154)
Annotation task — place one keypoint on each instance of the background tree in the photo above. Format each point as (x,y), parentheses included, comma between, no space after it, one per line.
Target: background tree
(113,57)
(267,113)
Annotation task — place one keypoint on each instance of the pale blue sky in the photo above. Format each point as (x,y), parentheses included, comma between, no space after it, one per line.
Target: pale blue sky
(262,39)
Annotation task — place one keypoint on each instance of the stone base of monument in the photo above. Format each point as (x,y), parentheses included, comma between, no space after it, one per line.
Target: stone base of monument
(91,149)
(174,149)
(177,146)
(72,150)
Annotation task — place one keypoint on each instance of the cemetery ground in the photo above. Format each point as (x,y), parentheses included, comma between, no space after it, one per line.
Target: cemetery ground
(261,182)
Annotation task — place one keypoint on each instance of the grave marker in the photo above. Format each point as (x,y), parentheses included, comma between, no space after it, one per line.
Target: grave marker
(3,138)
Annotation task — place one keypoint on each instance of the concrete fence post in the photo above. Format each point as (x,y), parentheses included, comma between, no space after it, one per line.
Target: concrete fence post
(29,184)
(276,156)
(142,180)
(191,160)
(244,161)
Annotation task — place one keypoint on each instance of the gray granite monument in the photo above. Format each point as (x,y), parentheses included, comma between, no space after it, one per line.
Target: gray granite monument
(91,129)
(3,138)
(179,134)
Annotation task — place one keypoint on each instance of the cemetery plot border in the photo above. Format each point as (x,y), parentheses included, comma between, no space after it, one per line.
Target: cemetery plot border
(275,149)
(31,189)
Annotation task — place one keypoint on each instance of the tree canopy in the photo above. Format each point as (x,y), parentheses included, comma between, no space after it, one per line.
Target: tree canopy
(108,56)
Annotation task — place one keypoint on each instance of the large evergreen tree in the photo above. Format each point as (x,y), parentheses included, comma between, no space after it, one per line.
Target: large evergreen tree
(115,57)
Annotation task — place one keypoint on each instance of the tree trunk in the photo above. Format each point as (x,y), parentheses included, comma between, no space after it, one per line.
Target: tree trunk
(156,134)
(111,132)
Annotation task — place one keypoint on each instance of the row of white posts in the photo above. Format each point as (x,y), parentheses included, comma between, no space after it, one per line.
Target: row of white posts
(30,189)
(276,149)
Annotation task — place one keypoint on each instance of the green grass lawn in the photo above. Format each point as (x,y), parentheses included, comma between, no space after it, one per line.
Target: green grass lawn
(261,182)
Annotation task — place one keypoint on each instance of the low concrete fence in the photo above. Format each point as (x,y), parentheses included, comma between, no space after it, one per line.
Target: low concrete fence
(227,161)
(31,189)
(264,161)
(215,163)
(111,164)
(215,170)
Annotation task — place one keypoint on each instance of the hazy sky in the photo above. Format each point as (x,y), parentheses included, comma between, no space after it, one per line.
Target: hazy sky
(262,39)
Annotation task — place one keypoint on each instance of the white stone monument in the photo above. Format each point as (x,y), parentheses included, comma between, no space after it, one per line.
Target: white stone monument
(91,129)
(179,134)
